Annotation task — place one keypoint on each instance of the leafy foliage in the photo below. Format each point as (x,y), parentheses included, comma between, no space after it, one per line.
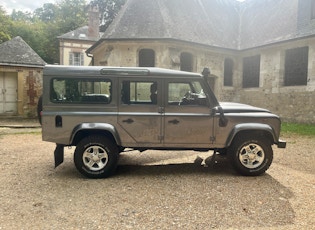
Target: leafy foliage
(5,24)
(41,28)
(108,10)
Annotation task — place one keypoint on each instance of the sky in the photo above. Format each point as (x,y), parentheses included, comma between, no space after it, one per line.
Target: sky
(23,5)
(27,5)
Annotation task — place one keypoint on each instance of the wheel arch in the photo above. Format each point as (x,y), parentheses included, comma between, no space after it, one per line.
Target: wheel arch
(254,129)
(86,129)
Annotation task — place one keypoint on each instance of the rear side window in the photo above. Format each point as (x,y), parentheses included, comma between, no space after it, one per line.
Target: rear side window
(139,92)
(80,91)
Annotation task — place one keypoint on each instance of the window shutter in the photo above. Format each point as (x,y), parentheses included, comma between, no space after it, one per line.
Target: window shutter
(70,58)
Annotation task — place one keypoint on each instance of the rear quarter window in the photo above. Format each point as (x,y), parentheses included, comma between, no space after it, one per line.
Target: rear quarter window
(80,91)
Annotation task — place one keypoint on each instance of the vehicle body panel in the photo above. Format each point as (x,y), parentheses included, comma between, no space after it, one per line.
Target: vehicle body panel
(163,125)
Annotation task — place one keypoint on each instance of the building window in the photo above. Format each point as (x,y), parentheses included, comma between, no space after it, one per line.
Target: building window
(146,58)
(186,62)
(251,71)
(76,58)
(296,65)
(228,72)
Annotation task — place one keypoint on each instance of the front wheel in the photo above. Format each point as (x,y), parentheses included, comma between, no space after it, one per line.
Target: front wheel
(250,156)
(96,157)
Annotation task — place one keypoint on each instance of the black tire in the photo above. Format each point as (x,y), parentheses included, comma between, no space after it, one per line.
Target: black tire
(96,157)
(250,155)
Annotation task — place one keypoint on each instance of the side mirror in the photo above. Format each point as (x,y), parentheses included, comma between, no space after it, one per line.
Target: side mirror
(223,121)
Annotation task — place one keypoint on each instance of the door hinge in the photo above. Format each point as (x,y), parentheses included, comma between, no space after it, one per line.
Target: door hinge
(212,139)
(160,138)
(161,110)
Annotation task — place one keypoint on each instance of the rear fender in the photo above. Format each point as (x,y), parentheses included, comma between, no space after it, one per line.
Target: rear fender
(100,128)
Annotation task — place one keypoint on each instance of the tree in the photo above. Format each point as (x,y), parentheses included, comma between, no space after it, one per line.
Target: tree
(71,15)
(47,13)
(41,28)
(21,16)
(108,11)
(5,25)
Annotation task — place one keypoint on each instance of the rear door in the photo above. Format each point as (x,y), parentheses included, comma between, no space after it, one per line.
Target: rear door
(139,111)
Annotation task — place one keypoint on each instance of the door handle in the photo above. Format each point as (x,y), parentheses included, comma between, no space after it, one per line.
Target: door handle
(175,121)
(128,121)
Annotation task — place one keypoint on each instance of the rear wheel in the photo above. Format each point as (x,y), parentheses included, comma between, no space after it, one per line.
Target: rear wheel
(250,155)
(96,157)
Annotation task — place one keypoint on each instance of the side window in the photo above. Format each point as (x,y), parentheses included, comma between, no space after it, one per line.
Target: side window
(251,71)
(76,58)
(186,93)
(80,91)
(186,62)
(296,66)
(139,92)
(146,58)
(228,72)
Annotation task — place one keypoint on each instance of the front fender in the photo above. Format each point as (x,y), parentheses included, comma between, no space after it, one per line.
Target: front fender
(96,127)
(251,127)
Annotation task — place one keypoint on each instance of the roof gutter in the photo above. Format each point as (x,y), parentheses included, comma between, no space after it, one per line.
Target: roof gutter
(90,56)
(22,65)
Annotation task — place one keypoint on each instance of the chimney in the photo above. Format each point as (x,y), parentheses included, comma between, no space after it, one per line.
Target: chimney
(93,30)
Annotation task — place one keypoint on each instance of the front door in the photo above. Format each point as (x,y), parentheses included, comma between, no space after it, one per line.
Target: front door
(187,119)
(8,93)
(139,111)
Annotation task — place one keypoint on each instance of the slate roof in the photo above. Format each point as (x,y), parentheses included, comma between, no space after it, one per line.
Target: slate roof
(18,53)
(220,23)
(188,20)
(81,33)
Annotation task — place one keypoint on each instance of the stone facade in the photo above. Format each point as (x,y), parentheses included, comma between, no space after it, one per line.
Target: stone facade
(170,31)
(29,83)
(292,103)
(21,78)
(73,45)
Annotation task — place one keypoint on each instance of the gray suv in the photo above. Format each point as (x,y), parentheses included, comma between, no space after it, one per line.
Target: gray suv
(105,110)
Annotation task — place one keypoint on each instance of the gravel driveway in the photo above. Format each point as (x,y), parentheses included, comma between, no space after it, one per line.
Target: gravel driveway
(153,190)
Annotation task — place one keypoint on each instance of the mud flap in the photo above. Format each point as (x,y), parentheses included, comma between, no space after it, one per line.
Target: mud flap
(59,154)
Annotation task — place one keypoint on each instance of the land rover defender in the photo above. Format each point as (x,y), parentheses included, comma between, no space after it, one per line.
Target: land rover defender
(104,110)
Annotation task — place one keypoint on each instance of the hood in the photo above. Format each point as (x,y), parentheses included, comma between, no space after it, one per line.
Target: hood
(230,107)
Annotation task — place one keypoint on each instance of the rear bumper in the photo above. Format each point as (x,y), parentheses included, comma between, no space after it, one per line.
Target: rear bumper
(282,144)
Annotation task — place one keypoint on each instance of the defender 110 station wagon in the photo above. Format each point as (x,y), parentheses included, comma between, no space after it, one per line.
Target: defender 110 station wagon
(105,110)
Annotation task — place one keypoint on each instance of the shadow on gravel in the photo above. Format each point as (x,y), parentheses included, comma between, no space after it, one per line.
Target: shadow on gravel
(220,167)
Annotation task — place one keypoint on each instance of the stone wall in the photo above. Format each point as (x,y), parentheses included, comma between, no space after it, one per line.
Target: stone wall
(294,103)
(32,90)
(29,88)
(291,103)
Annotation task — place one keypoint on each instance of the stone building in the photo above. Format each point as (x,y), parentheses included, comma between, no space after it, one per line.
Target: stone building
(21,73)
(260,52)
(72,45)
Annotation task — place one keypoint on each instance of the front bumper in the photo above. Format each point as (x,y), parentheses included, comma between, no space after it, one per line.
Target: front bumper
(281,144)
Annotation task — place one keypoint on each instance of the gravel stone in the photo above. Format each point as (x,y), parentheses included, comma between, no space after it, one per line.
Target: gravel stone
(153,189)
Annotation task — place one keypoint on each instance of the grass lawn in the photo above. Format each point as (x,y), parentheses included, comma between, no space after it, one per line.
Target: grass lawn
(300,129)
